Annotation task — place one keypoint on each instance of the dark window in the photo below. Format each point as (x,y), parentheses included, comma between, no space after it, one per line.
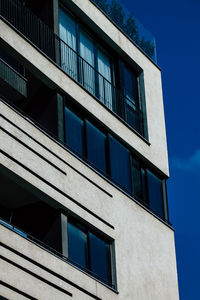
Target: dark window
(130,87)
(96,147)
(11,62)
(119,163)
(133,117)
(73,131)
(155,193)
(113,159)
(77,245)
(100,257)
(144,186)
(89,251)
(136,178)
(129,107)
(84,60)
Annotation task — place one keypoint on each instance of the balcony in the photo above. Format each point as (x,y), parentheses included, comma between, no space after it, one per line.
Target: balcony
(12,83)
(130,26)
(22,204)
(19,16)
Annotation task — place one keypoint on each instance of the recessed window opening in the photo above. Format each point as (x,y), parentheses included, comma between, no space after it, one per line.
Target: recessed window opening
(89,251)
(24,212)
(87,61)
(117,162)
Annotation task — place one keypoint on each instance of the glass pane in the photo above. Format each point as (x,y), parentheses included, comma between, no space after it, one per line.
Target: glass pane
(136,179)
(155,193)
(73,131)
(105,87)
(77,245)
(144,187)
(119,164)
(67,32)
(96,146)
(100,258)
(128,84)
(130,87)
(132,116)
(87,63)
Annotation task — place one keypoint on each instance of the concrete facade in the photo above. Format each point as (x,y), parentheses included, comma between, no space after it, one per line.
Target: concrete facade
(144,262)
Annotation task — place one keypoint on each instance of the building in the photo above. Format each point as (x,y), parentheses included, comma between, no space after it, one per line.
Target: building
(83,158)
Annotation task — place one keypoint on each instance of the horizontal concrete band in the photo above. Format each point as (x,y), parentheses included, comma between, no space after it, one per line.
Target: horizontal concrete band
(58,157)
(35,152)
(15,290)
(35,275)
(49,271)
(55,188)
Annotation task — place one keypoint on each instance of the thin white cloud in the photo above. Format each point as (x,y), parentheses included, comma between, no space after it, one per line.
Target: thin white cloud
(188,164)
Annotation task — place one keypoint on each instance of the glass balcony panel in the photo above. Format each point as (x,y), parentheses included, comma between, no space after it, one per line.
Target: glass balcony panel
(129,24)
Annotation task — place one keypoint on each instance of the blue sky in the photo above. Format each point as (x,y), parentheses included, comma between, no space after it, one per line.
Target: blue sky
(176,26)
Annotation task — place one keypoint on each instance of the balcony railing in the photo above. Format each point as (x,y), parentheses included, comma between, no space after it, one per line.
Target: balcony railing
(129,24)
(13,78)
(71,62)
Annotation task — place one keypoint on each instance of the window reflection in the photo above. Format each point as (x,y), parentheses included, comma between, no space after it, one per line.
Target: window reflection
(77,245)
(67,32)
(89,251)
(119,163)
(73,131)
(100,257)
(155,193)
(114,160)
(96,147)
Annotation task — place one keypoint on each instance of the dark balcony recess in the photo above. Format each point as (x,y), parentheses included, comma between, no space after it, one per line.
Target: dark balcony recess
(19,16)
(11,82)
(34,216)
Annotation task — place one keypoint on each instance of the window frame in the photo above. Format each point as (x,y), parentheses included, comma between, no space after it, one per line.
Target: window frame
(83,155)
(123,110)
(97,44)
(144,200)
(129,162)
(67,218)
(86,121)
(139,105)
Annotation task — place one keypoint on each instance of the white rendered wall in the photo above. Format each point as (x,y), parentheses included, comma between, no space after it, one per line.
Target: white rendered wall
(145,254)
